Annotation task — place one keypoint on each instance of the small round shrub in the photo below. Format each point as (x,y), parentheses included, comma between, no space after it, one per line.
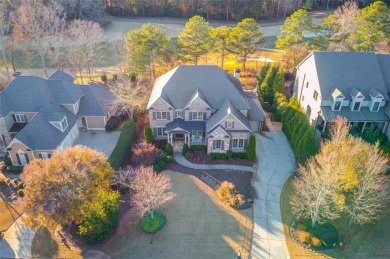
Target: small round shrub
(168,159)
(20,192)
(150,225)
(228,194)
(156,167)
(327,233)
(20,185)
(8,181)
(316,242)
(161,164)
(15,181)
(114,77)
(169,149)
(304,236)
(104,78)
(186,148)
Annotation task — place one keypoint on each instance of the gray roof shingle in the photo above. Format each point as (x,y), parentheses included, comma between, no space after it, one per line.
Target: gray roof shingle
(61,75)
(179,84)
(256,112)
(348,70)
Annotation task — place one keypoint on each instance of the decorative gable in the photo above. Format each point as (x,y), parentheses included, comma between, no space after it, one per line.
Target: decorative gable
(197,102)
(160,104)
(219,133)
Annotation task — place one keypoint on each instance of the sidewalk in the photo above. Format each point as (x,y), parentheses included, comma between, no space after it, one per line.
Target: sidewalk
(179,158)
(276,165)
(17,241)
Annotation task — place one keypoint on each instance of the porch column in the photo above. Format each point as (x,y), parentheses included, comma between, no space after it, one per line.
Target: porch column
(324,127)
(169,138)
(364,126)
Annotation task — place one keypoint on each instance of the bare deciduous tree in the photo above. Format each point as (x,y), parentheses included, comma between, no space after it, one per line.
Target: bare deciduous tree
(118,47)
(40,23)
(83,42)
(5,27)
(83,9)
(129,94)
(369,198)
(150,190)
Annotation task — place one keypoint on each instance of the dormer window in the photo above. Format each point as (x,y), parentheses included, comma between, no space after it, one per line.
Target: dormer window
(356,105)
(357,99)
(376,100)
(338,99)
(337,105)
(19,118)
(375,106)
(64,124)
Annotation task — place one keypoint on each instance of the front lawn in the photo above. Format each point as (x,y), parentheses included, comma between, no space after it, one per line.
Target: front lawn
(357,240)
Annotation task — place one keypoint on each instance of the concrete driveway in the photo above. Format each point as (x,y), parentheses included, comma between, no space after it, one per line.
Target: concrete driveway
(276,164)
(17,241)
(198,225)
(102,141)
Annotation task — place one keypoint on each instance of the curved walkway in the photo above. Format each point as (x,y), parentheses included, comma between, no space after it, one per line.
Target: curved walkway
(179,158)
(276,165)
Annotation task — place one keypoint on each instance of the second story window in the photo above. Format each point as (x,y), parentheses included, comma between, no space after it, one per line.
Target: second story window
(337,105)
(229,124)
(161,115)
(20,118)
(197,116)
(179,114)
(64,124)
(375,106)
(356,106)
(315,95)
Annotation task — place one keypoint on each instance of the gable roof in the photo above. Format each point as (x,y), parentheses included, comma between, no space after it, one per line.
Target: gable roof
(44,97)
(256,112)
(348,70)
(61,75)
(226,109)
(384,64)
(178,85)
(197,94)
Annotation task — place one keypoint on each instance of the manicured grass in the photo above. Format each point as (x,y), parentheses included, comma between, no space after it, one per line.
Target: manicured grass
(123,145)
(354,237)
(150,225)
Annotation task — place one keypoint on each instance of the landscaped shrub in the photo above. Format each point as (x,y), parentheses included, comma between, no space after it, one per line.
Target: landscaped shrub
(189,155)
(228,194)
(144,153)
(15,181)
(229,154)
(161,164)
(316,242)
(197,147)
(218,156)
(8,181)
(168,159)
(240,155)
(20,185)
(101,217)
(15,168)
(2,166)
(148,134)
(123,145)
(327,233)
(104,78)
(304,236)
(186,148)
(112,123)
(169,149)
(20,192)
(251,148)
(150,225)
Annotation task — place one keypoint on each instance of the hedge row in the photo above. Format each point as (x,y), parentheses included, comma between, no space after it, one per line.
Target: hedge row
(296,127)
(123,145)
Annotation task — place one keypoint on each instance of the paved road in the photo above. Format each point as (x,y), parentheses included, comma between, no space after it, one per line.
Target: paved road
(276,164)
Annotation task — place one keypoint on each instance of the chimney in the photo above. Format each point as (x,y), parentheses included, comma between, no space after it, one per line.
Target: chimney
(237,73)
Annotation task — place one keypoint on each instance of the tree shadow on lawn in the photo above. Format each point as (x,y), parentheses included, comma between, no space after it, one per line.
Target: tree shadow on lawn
(43,245)
(198,225)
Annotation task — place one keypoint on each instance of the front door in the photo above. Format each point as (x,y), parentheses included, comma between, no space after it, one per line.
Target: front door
(179,136)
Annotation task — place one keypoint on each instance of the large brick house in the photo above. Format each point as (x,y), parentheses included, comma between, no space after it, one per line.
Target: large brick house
(38,116)
(204,105)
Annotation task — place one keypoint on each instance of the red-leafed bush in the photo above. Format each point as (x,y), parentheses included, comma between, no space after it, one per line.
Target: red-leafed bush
(144,153)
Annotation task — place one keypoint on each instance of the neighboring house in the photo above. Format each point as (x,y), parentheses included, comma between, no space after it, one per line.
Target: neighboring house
(38,116)
(354,85)
(204,105)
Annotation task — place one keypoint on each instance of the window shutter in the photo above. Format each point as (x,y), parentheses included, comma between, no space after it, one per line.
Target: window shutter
(245,143)
(204,116)
(213,144)
(155,132)
(232,124)
(49,155)
(154,115)
(40,156)
(222,145)
(17,156)
(225,124)
(27,158)
(230,144)
(168,115)
(190,116)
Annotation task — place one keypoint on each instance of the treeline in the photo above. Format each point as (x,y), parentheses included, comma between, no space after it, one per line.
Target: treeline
(212,9)
(296,127)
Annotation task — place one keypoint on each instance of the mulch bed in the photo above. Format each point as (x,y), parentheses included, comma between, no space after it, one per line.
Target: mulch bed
(206,160)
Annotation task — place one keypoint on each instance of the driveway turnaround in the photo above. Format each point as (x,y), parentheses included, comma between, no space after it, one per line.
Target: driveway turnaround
(276,164)
(102,141)
(17,241)
(180,159)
